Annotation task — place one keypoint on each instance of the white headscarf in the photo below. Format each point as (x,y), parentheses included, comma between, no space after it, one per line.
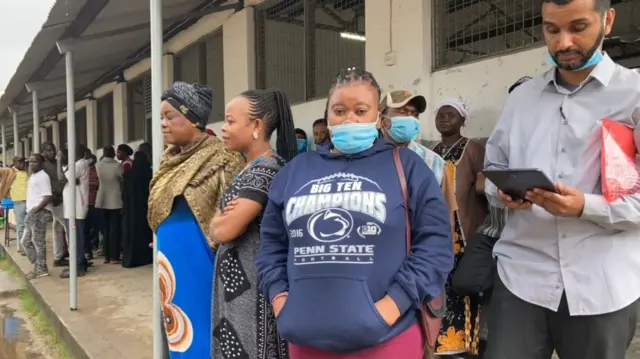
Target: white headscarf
(457,104)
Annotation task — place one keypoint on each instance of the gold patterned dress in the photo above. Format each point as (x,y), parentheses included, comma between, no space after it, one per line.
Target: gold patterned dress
(460,326)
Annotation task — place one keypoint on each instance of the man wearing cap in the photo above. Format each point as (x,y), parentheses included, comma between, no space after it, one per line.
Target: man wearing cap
(400,110)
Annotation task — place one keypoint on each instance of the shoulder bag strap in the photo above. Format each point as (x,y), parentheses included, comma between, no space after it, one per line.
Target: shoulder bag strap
(405,195)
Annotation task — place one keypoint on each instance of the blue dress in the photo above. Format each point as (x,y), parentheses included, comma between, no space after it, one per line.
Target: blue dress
(185,266)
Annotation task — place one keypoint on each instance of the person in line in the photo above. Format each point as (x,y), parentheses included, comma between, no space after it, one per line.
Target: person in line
(93,220)
(15,181)
(109,201)
(321,133)
(243,319)
(333,249)
(194,172)
(146,148)
(79,183)
(400,111)
(464,160)
(136,231)
(39,199)
(57,186)
(123,154)
(476,269)
(301,140)
(568,262)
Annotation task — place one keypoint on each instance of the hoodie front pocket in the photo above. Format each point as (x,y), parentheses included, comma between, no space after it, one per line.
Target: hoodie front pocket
(331,313)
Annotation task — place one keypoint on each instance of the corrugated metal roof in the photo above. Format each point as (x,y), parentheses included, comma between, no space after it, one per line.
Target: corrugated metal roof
(97,60)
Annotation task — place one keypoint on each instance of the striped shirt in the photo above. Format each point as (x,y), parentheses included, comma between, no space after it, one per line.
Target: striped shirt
(432,159)
(494,222)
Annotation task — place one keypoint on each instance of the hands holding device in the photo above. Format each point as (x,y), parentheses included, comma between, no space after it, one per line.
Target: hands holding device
(520,189)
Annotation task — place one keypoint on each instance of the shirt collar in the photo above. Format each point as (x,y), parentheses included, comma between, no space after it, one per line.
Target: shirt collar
(603,72)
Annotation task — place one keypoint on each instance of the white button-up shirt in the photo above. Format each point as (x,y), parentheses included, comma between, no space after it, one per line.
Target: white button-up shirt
(594,259)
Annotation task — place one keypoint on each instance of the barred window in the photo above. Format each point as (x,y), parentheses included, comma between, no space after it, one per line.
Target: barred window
(302,44)
(105,121)
(468,30)
(81,126)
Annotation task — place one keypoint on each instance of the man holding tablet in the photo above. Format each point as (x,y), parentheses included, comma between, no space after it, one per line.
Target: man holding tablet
(568,261)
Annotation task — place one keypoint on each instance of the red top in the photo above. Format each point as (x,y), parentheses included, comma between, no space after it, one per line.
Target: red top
(126,164)
(94,183)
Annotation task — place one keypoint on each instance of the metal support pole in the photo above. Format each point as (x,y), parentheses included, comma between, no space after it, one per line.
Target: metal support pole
(4,146)
(71,140)
(17,145)
(158,147)
(36,123)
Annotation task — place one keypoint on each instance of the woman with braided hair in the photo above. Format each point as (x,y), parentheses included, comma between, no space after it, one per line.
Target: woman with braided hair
(344,279)
(194,171)
(243,322)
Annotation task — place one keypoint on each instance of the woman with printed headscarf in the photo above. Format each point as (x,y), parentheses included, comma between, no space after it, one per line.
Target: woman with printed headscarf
(194,172)
(464,161)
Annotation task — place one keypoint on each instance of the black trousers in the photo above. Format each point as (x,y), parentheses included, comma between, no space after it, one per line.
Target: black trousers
(518,329)
(91,229)
(112,225)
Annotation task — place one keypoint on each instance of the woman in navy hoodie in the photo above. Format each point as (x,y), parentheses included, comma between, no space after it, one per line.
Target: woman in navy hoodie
(333,258)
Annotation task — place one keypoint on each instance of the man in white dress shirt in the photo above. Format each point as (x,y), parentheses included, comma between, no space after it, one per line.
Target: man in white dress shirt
(568,263)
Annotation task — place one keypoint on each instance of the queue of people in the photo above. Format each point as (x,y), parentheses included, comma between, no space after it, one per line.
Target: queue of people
(345,251)
(101,187)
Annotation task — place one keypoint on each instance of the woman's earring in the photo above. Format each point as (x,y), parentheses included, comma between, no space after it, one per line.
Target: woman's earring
(255,135)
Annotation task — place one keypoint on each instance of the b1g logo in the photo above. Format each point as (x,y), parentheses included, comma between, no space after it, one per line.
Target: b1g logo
(330,225)
(369,229)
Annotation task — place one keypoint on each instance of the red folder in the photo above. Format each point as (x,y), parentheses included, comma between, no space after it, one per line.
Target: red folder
(620,176)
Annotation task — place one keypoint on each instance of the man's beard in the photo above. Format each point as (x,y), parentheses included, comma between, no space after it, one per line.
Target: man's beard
(585,57)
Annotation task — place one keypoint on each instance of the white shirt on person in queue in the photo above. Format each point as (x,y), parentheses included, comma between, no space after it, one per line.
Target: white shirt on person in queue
(38,187)
(82,190)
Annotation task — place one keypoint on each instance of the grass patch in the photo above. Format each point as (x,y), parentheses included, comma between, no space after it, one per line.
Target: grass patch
(37,316)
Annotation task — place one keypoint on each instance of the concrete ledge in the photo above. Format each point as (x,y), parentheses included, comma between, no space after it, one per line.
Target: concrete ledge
(61,330)
(114,316)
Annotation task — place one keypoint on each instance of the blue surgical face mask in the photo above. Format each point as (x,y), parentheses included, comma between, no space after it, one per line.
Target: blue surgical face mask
(594,60)
(404,128)
(352,138)
(302,145)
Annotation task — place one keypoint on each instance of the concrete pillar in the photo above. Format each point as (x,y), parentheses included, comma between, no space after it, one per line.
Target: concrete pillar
(92,125)
(120,113)
(167,70)
(33,88)
(17,150)
(238,42)
(25,147)
(55,130)
(43,134)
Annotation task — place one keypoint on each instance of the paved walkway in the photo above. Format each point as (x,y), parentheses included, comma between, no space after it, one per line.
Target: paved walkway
(113,320)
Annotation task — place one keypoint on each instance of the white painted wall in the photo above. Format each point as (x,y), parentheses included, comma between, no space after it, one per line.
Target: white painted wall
(407,36)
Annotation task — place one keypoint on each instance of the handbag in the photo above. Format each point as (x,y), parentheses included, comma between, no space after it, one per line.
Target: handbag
(477,268)
(431,313)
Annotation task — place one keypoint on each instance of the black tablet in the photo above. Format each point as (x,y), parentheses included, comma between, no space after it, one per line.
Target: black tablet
(516,182)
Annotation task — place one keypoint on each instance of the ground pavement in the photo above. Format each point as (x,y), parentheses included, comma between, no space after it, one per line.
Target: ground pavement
(113,320)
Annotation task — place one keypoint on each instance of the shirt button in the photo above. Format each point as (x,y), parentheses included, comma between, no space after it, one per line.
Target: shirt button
(561,175)
(564,235)
(557,286)
(565,265)
(563,150)
(564,122)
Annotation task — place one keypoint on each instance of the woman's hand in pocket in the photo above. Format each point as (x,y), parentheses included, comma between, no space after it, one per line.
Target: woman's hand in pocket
(278,303)
(388,309)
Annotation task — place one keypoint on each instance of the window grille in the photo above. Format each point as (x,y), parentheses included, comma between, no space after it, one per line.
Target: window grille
(81,127)
(105,121)
(468,30)
(302,44)
(137,107)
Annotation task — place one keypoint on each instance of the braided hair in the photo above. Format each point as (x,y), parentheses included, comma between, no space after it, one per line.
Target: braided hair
(272,107)
(350,76)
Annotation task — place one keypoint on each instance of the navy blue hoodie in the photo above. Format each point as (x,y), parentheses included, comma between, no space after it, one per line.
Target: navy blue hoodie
(333,235)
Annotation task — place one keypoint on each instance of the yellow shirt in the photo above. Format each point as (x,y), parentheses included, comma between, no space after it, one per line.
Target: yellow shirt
(19,186)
